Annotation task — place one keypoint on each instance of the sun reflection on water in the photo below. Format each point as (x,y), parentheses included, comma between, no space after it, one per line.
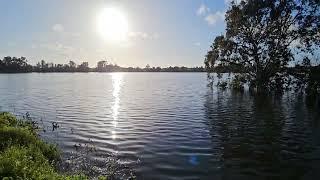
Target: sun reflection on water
(116,83)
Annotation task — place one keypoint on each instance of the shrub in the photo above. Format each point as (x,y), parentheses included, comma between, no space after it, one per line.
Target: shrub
(17,136)
(23,155)
(7,119)
(25,163)
(238,83)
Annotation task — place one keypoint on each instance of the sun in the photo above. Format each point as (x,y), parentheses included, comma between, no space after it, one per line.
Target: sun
(112,24)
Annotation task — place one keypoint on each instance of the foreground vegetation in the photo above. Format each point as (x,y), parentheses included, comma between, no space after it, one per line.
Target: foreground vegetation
(23,155)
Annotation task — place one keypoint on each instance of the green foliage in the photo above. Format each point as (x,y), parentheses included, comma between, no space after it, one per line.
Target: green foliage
(25,163)
(7,119)
(238,82)
(222,85)
(14,132)
(16,136)
(262,38)
(24,155)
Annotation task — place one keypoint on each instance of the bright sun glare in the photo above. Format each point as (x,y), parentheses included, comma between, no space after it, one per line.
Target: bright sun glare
(112,24)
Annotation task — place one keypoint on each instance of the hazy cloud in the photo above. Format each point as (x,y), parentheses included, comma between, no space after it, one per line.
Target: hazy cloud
(210,17)
(11,44)
(202,10)
(34,46)
(213,18)
(143,36)
(57,48)
(75,34)
(58,28)
(197,43)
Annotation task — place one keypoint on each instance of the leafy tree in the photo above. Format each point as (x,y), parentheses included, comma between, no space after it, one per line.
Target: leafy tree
(262,38)
(43,64)
(84,67)
(72,66)
(101,66)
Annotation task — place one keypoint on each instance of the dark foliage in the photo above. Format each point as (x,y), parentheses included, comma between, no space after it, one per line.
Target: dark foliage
(12,64)
(263,37)
(20,65)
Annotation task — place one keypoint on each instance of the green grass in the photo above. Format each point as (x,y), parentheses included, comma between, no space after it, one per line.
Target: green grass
(23,155)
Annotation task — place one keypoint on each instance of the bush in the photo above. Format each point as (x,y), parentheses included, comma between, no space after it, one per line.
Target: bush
(25,163)
(23,155)
(222,85)
(16,136)
(238,83)
(7,119)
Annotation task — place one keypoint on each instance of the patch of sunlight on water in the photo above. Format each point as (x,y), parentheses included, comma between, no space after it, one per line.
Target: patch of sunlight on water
(116,83)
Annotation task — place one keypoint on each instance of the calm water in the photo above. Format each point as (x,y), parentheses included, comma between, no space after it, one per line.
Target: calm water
(169,125)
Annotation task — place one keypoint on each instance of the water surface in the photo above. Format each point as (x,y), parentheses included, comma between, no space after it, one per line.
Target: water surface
(170,125)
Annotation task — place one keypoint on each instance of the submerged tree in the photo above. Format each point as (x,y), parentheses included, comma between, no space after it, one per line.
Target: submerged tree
(262,38)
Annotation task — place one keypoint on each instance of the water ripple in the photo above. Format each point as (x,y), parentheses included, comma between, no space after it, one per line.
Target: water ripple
(168,126)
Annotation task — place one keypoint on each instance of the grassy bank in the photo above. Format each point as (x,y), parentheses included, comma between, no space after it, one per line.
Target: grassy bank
(23,155)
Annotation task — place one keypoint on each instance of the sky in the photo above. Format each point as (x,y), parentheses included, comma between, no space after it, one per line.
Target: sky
(160,32)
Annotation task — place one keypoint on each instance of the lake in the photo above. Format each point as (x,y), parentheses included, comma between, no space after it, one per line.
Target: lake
(167,126)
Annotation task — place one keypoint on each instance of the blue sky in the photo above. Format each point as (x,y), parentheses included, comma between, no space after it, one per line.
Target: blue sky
(161,32)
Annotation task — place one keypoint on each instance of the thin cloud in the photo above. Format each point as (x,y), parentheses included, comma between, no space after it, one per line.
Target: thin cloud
(34,46)
(197,44)
(203,10)
(58,28)
(214,18)
(143,36)
(57,48)
(11,44)
(75,34)
(211,17)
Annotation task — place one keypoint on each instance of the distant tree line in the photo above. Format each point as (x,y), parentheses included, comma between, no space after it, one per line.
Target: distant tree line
(12,64)
(20,65)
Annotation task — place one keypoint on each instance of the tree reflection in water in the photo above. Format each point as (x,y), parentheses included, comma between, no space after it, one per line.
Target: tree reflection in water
(262,136)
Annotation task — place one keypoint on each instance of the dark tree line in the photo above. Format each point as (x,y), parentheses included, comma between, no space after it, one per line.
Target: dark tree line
(20,65)
(44,66)
(262,39)
(12,64)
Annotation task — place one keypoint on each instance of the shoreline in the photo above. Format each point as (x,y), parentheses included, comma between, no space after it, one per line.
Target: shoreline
(24,155)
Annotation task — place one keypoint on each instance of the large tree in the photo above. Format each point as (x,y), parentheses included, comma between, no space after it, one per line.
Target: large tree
(263,38)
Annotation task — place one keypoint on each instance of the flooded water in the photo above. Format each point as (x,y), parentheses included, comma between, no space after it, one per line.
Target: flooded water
(169,125)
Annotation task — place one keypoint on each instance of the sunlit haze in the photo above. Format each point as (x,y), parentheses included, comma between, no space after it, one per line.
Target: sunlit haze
(112,24)
(128,33)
